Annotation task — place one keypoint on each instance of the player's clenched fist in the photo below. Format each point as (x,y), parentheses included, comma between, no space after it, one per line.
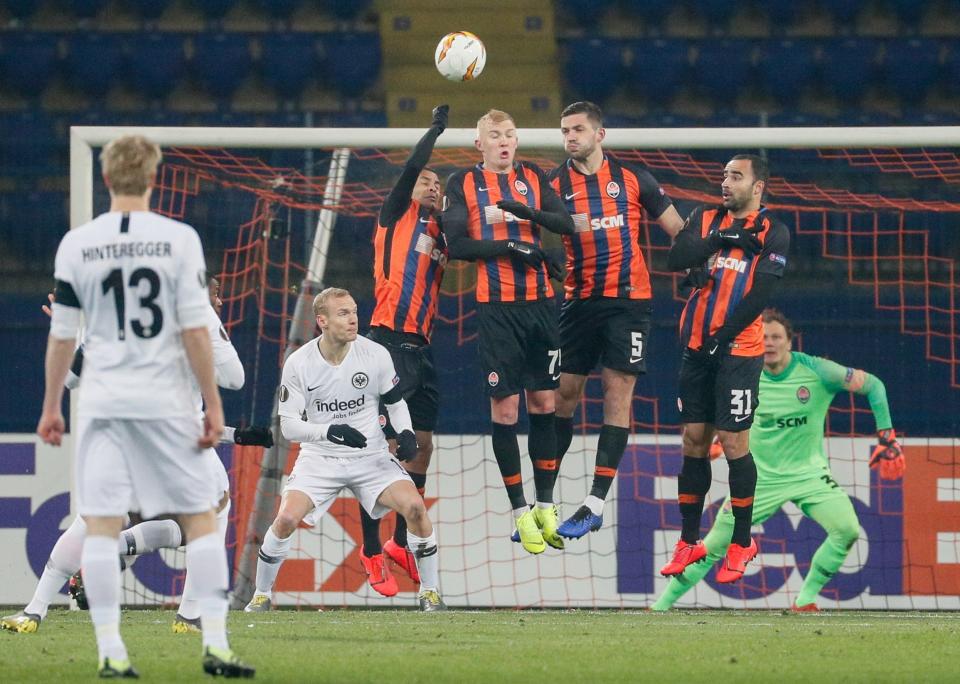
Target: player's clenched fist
(406,445)
(347,436)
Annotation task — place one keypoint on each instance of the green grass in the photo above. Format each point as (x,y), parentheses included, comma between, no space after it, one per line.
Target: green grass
(515,646)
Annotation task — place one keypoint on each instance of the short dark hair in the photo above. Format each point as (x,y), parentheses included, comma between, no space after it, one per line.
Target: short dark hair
(772,315)
(761,170)
(593,112)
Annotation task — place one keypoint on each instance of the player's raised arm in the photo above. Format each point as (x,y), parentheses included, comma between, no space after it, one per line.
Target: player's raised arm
(399,198)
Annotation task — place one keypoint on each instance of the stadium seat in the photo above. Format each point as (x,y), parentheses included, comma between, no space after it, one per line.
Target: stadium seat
(723,67)
(28,142)
(48,221)
(909,12)
(94,61)
(22,9)
(149,10)
(221,61)
(594,67)
(288,61)
(844,11)
(86,9)
(155,63)
(28,61)
(716,12)
(214,10)
(280,9)
(585,13)
(345,10)
(653,12)
(658,68)
(911,66)
(781,13)
(848,67)
(352,61)
(786,67)
(951,68)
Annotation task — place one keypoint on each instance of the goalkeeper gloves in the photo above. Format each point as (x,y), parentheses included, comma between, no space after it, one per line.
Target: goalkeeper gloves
(740,237)
(253,435)
(346,435)
(440,114)
(887,456)
(406,446)
(518,209)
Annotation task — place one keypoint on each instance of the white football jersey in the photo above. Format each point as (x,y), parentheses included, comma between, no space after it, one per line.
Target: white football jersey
(313,390)
(139,279)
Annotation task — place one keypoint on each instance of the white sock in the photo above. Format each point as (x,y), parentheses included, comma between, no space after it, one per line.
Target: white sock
(63,562)
(189,606)
(517,512)
(273,552)
(594,503)
(545,505)
(149,536)
(101,581)
(424,550)
(207,568)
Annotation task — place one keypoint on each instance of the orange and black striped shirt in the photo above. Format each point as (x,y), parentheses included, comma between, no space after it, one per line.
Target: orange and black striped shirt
(604,258)
(409,258)
(475,193)
(731,277)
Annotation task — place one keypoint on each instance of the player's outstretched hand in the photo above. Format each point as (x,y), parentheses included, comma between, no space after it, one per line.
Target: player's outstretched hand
(518,209)
(888,456)
(526,252)
(48,309)
(51,428)
(741,237)
(253,435)
(440,115)
(406,445)
(347,436)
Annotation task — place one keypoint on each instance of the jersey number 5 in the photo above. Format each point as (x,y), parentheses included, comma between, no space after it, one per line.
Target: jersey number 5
(114,282)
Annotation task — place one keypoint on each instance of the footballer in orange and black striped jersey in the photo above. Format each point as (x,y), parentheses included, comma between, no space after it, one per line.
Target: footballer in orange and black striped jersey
(604,258)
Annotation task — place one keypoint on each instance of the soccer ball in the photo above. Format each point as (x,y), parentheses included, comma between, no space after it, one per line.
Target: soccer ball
(460,56)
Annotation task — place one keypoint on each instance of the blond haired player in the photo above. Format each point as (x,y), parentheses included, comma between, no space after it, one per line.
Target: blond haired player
(330,393)
(139,280)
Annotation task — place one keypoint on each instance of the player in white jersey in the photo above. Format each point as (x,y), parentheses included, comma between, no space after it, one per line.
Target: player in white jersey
(150,535)
(140,282)
(330,392)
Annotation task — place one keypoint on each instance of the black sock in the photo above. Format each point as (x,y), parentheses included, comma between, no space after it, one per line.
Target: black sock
(610,447)
(371,533)
(563,427)
(400,533)
(743,484)
(693,485)
(507,452)
(542,445)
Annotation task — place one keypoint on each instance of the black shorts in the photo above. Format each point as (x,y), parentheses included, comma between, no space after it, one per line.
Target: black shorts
(413,362)
(519,346)
(614,331)
(722,394)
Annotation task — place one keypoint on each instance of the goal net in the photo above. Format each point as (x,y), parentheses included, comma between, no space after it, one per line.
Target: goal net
(874,216)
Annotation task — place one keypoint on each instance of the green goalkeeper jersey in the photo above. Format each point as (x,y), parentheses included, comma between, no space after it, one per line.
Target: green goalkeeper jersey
(787,434)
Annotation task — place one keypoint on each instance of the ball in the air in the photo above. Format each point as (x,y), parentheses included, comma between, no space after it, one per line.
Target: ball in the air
(460,56)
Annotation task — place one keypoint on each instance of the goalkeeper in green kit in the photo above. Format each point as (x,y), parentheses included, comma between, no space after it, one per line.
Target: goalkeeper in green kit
(796,391)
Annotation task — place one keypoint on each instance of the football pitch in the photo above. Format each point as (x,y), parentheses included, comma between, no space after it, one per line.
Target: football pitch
(515,646)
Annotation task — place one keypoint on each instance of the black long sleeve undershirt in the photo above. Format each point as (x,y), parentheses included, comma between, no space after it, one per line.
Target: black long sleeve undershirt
(553,215)
(761,292)
(398,200)
(689,250)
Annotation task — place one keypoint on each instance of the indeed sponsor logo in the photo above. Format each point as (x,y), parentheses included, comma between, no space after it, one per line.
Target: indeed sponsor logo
(340,405)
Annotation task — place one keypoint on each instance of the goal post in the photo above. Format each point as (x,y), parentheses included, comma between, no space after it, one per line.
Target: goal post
(872,224)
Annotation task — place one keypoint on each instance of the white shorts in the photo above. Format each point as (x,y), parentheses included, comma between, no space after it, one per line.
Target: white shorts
(323,477)
(147,466)
(220,475)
